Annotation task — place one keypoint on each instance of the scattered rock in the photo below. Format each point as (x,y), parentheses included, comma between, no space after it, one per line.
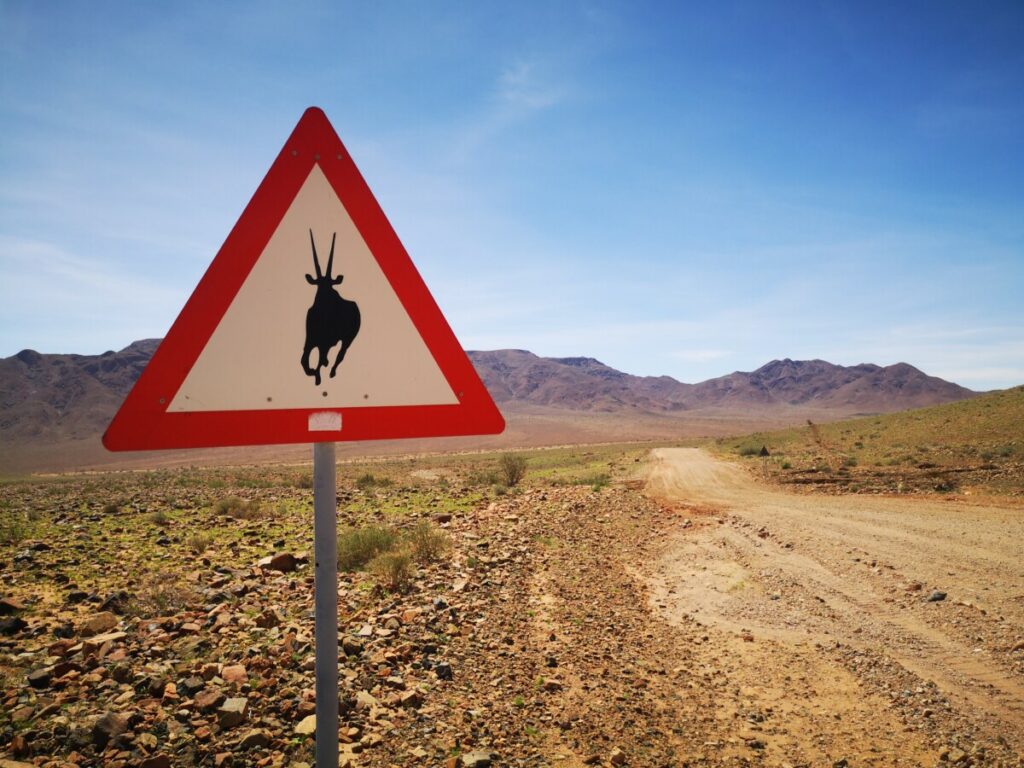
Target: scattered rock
(8,606)
(40,678)
(956,756)
(108,727)
(234,673)
(285,562)
(936,596)
(477,759)
(306,726)
(209,700)
(365,702)
(192,685)
(12,625)
(156,761)
(411,699)
(97,624)
(269,619)
(232,712)
(254,739)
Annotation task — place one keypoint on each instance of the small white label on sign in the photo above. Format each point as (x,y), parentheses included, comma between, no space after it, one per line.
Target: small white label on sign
(325,421)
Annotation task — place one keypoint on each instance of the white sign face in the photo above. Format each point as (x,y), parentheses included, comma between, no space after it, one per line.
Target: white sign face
(257,357)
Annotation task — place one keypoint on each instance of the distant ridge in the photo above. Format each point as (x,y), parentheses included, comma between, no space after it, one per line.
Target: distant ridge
(586,384)
(49,399)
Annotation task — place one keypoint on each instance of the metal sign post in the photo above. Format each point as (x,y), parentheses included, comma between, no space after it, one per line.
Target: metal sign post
(325,612)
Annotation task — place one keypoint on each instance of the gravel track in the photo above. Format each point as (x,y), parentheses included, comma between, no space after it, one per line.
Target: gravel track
(838,586)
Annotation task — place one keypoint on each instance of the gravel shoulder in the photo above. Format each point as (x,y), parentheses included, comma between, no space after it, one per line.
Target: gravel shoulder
(617,608)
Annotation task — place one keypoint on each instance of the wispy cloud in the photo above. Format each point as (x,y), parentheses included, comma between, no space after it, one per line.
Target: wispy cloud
(75,303)
(524,89)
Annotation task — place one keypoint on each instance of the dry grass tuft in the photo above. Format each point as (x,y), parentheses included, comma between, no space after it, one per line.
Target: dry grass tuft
(163,594)
(238,508)
(394,571)
(358,546)
(428,544)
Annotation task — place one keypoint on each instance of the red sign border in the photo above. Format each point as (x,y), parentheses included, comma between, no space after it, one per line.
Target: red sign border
(143,421)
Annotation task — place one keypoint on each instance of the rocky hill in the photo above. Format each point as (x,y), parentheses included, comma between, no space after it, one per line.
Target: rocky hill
(58,397)
(582,383)
(50,400)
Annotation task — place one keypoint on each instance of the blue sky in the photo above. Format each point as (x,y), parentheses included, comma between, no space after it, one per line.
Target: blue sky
(672,188)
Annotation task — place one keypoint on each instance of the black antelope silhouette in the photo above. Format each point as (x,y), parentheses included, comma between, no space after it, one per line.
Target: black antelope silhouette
(331,318)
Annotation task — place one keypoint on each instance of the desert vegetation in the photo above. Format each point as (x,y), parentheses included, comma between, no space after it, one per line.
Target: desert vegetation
(974,446)
(514,619)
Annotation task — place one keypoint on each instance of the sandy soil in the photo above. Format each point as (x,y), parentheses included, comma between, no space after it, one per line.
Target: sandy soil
(825,611)
(526,427)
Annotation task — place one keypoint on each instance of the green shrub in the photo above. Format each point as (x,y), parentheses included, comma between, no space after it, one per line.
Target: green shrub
(485,477)
(749,450)
(368,482)
(162,595)
(160,518)
(358,546)
(512,468)
(240,509)
(199,542)
(786,465)
(428,543)
(394,571)
(15,527)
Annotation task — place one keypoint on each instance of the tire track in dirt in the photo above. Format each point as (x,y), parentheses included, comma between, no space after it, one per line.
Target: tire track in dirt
(800,569)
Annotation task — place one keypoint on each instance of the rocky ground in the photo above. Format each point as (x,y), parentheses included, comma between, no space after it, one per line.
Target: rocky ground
(150,621)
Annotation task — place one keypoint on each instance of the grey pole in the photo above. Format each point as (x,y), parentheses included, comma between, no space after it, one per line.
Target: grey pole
(325,553)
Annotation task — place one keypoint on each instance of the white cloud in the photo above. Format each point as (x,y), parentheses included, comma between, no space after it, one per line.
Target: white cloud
(53,300)
(523,88)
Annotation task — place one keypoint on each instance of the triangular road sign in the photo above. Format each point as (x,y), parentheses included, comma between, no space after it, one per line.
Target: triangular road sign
(310,325)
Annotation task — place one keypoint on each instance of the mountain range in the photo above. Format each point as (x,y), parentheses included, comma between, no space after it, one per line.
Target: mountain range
(50,403)
(584,384)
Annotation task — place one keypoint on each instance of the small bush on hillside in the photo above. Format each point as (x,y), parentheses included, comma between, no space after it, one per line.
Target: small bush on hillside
(512,467)
(484,477)
(428,543)
(749,450)
(160,518)
(199,542)
(394,571)
(162,595)
(368,482)
(238,508)
(358,546)
(15,527)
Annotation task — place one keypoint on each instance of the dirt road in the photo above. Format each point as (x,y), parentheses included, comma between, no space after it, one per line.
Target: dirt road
(901,621)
